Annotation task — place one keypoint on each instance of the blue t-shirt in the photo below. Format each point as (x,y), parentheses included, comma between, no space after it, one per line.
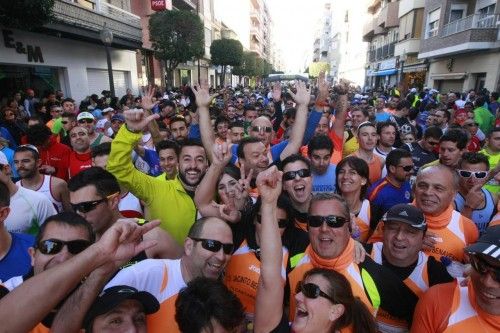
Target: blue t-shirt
(325,182)
(17,261)
(383,195)
(381,117)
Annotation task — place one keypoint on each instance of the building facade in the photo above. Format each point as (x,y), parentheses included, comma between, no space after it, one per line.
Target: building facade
(68,54)
(461,42)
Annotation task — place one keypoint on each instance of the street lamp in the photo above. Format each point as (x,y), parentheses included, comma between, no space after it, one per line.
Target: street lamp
(107,38)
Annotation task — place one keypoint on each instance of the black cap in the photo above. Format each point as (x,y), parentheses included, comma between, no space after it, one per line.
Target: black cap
(488,244)
(407,214)
(113,296)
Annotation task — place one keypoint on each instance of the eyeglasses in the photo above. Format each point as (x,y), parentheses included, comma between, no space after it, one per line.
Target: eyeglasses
(302,173)
(331,220)
(266,129)
(54,246)
(88,121)
(406,168)
(483,267)
(214,245)
(282,223)
(313,291)
(87,206)
(468,174)
(472,125)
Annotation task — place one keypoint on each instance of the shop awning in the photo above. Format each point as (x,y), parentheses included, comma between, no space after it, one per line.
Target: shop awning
(385,72)
(448,76)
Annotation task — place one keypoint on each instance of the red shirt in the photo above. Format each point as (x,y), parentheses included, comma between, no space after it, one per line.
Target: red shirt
(56,155)
(79,162)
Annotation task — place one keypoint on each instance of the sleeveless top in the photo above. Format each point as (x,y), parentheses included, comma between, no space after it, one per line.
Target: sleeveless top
(45,189)
(481,217)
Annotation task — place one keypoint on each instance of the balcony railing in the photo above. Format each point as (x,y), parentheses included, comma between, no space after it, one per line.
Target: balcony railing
(123,24)
(382,52)
(474,21)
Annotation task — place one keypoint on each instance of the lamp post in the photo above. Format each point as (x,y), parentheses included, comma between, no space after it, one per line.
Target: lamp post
(107,38)
(403,60)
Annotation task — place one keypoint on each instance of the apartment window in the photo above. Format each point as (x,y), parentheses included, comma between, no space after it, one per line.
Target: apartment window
(457,12)
(486,17)
(208,37)
(489,10)
(433,23)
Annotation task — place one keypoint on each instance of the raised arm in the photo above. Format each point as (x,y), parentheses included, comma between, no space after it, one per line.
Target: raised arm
(301,97)
(118,244)
(270,291)
(341,108)
(203,99)
(278,112)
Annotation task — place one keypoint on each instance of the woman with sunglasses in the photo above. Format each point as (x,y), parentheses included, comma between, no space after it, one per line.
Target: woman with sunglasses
(352,183)
(325,302)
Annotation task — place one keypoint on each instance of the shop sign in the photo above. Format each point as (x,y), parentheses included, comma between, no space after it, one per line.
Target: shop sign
(33,53)
(159,5)
(387,64)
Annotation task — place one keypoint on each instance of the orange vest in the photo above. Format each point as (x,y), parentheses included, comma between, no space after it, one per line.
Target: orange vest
(418,282)
(363,221)
(464,316)
(343,264)
(242,275)
(374,167)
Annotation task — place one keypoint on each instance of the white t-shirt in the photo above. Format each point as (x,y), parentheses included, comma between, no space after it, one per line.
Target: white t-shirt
(28,211)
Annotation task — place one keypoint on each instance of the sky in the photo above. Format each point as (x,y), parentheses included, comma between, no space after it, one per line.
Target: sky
(295,22)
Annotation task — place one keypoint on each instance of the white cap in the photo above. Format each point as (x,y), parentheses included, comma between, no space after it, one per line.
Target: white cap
(3,159)
(106,110)
(84,115)
(433,91)
(413,90)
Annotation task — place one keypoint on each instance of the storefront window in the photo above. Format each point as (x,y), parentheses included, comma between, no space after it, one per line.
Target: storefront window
(42,79)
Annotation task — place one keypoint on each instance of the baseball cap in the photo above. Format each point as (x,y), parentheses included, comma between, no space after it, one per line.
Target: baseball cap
(118,117)
(3,159)
(413,90)
(84,115)
(106,110)
(407,214)
(434,91)
(488,244)
(113,296)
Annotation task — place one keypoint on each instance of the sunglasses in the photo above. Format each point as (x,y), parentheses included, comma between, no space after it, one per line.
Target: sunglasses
(54,246)
(214,245)
(64,122)
(477,174)
(87,206)
(282,223)
(406,168)
(302,173)
(266,129)
(331,220)
(88,121)
(313,291)
(433,143)
(482,267)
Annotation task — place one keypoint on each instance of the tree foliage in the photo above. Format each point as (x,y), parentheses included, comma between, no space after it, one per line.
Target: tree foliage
(26,14)
(176,36)
(226,52)
(248,65)
(316,67)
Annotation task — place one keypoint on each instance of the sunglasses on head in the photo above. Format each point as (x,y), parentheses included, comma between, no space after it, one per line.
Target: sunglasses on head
(477,174)
(331,220)
(87,206)
(88,121)
(54,246)
(282,223)
(266,129)
(482,267)
(302,173)
(214,245)
(406,168)
(313,291)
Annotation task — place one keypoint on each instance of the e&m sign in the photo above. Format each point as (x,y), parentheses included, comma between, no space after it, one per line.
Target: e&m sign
(34,53)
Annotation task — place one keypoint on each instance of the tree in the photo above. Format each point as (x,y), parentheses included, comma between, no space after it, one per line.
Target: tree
(26,15)
(177,36)
(226,52)
(316,67)
(247,67)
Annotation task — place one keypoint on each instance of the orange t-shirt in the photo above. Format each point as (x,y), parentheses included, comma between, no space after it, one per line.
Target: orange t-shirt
(453,233)
(452,308)
(374,167)
(337,148)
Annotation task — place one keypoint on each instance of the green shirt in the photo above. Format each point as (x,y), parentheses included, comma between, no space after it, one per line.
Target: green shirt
(167,200)
(484,118)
